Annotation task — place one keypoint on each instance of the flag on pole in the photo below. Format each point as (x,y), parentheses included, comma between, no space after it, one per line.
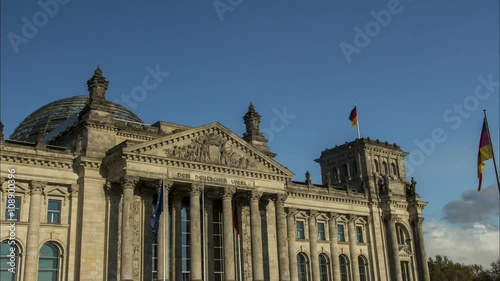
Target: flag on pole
(354,117)
(485,152)
(235,217)
(157,213)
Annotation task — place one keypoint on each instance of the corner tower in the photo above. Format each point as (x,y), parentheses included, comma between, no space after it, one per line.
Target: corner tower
(253,135)
(365,164)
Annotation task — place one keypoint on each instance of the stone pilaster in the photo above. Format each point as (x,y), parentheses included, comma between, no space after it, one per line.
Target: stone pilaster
(256,230)
(177,236)
(195,229)
(227,209)
(128,185)
(32,244)
(73,222)
(396,264)
(313,245)
(163,242)
(353,248)
(209,227)
(332,225)
(270,242)
(284,265)
(290,219)
(422,255)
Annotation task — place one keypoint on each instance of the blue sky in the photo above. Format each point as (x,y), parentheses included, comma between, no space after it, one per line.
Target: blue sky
(408,78)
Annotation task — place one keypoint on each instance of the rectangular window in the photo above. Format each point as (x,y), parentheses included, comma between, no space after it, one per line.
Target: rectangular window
(359,234)
(54,211)
(321,231)
(12,209)
(300,230)
(340,232)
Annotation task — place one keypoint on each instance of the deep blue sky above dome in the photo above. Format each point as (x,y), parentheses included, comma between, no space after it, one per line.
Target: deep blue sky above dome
(409,80)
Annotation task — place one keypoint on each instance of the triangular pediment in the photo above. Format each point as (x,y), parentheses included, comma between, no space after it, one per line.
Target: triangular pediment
(211,144)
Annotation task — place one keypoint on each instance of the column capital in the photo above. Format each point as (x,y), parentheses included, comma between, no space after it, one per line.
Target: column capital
(418,221)
(313,213)
(37,187)
(129,182)
(280,198)
(353,218)
(167,184)
(74,189)
(333,216)
(392,218)
(255,196)
(196,188)
(291,212)
(228,192)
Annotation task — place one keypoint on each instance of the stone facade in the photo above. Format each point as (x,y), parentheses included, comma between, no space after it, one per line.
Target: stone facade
(230,211)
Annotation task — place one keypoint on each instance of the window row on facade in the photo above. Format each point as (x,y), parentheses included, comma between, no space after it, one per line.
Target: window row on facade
(49,262)
(13,209)
(325,268)
(322,230)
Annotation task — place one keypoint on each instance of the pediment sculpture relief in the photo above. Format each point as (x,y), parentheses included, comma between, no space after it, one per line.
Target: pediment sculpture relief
(211,148)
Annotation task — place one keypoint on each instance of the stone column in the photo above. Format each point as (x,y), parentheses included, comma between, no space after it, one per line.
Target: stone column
(269,231)
(256,230)
(227,209)
(177,236)
(391,221)
(332,226)
(353,249)
(209,227)
(127,249)
(290,219)
(282,242)
(195,230)
(313,245)
(32,244)
(421,248)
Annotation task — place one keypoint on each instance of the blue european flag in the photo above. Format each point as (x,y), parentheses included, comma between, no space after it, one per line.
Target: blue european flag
(157,214)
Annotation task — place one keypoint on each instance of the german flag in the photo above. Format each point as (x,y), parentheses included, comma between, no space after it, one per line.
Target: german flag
(353,117)
(485,152)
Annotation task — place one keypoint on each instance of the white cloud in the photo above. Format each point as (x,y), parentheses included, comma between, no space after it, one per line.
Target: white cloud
(477,244)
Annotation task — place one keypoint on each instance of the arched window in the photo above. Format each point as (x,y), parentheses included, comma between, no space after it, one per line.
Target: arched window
(402,234)
(48,263)
(344,268)
(377,168)
(363,269)
(384,168)
(346,170)
(335,174)
(302,267)
(394,170)
(324,274)
(9,261)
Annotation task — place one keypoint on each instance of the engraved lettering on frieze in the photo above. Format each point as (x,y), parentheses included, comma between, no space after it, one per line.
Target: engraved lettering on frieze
(211,148)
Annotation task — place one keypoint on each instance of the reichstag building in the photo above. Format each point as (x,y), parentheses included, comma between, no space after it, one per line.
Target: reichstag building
(83,177)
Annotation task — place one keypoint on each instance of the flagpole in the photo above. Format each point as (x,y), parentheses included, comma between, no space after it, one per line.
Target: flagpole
(203,234)
(165,215)
(357,125)
(492,152)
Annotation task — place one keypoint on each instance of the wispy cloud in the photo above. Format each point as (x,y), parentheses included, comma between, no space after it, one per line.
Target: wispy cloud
(477,244)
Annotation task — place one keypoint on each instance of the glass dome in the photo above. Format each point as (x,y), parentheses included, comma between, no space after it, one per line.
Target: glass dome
(50,116)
